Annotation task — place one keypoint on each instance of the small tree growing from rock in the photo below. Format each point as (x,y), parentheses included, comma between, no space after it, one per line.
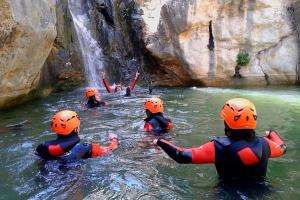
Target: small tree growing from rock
(242,59)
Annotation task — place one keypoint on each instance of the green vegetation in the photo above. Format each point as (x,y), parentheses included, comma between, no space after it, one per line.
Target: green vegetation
(242,59)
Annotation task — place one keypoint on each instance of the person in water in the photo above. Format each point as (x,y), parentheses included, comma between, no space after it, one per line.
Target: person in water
(155,120)
(241,154)
(67,146)
(118,86)
(93,98)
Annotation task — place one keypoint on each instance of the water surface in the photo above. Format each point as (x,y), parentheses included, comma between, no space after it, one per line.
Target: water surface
(137,169)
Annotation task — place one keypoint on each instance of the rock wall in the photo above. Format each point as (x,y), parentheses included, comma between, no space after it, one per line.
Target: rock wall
(198,41)
(27,32)
(118,28)
(63,68)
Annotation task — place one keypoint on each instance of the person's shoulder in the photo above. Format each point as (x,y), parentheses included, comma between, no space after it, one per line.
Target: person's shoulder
(224,141)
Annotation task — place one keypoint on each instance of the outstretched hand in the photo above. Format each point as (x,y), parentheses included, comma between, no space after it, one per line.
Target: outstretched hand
(137,75)
(112,136)
(103,75)
(267,134)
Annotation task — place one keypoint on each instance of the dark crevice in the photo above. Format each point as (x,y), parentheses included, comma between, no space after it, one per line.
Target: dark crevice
(267,79)
(102,8)
(211,47)
(211,42)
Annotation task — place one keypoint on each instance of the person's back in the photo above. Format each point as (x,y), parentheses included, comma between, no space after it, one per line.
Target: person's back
(67,146)
(241,158)
(93,97)
(155,120)
(157,123)
(241,154)
(58,147)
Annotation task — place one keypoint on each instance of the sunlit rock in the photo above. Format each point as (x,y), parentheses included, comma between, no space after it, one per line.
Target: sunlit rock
(198,41)
(27,32)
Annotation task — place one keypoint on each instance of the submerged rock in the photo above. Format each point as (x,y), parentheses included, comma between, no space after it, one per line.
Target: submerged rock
(27,32)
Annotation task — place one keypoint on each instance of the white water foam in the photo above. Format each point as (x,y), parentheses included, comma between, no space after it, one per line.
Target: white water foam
(90,50)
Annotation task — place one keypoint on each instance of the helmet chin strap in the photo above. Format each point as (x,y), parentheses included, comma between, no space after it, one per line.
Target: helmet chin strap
(77,130)
(226,129)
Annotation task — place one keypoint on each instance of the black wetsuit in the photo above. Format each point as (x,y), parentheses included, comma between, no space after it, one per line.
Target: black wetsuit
(59,146)
(157,123)
(92,103)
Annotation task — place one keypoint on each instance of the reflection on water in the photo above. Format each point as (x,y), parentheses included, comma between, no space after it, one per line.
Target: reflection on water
(137,169)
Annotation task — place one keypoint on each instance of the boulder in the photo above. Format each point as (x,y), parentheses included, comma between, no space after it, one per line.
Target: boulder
(27,32)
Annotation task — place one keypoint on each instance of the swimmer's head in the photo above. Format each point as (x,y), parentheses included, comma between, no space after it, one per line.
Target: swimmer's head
(118,87)
(154,105)
(65,122)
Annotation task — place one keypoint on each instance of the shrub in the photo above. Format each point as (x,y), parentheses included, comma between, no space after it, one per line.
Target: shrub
(242,59)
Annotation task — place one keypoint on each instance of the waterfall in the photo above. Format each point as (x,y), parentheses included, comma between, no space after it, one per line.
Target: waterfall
(90,50)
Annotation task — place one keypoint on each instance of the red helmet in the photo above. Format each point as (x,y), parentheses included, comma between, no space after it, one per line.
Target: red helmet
(64,122)
(154,105)
(91,91)
(239,113)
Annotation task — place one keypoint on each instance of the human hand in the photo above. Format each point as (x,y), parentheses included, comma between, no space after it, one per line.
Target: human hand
(267,134)
(103,75)
(137,75)
(112,136)
(155,141)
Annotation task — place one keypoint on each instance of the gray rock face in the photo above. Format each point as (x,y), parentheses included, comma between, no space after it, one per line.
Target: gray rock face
(198,41)
(27,32)
(64,67)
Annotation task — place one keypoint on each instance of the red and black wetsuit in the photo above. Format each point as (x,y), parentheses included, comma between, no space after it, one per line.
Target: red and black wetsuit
(109,90)
(157,123)
(68,148)
(85,150)
(54,148)
(232,158)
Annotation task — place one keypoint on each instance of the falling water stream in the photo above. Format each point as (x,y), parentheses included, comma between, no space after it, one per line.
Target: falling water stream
(90,50)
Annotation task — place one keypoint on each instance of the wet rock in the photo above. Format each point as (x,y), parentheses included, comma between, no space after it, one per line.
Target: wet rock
(27,32)
(196,42)
(63,68)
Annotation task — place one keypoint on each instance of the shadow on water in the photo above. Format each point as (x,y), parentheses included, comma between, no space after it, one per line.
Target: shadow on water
(137,169)
(242,190)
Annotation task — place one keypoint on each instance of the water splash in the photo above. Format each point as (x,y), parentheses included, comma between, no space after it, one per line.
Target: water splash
(90,50)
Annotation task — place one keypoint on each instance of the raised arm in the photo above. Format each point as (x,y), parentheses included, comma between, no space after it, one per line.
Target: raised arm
(133,82)
(203,154)
(98,150)
(106,85)
(276,144)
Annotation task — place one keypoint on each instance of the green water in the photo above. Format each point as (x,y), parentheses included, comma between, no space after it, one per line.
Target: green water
(137,169)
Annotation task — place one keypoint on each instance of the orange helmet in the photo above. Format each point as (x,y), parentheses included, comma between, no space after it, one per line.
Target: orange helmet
(154,105)
(239,113)
(90,91)
(64,122)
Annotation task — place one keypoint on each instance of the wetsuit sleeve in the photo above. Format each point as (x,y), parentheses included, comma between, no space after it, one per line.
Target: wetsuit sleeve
(132,84)
(148,127)
(170,125)
(79,151)
(276,144)
(164,122)
(98,150)
(108,88)
(202,154)
(102,103)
